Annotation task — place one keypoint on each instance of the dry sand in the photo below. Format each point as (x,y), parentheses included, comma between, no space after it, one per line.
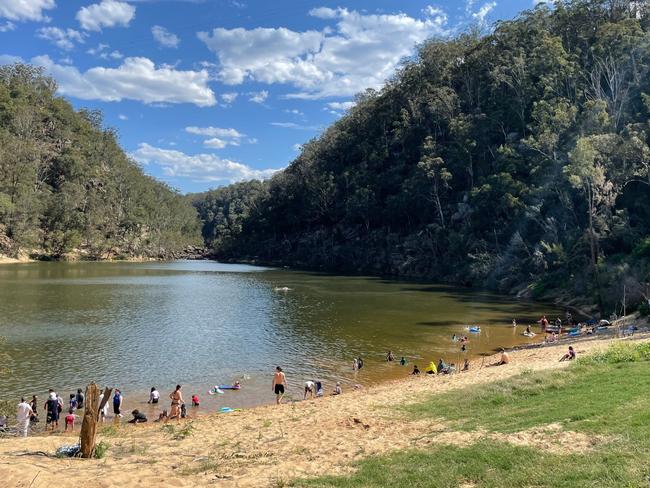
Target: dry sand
(269,445)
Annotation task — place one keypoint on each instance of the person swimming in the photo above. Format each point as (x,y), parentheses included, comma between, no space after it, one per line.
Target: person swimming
(402,361)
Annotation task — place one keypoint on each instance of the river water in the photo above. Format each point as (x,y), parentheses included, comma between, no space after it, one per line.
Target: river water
(202,323)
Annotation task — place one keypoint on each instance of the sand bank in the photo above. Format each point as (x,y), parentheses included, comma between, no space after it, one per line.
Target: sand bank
(269,445)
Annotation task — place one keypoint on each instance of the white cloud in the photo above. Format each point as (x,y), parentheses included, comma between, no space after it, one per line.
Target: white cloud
(219,138)
(215,132)
(135,79)
(324,13)
(108,13)
(229,97)
(164,37)
(7,26)
(340,106)
(293,125)
(62,38)
(215,143)
(198,167)
(437,15)
(9,59)
(25,9)
(361,51)
(259,97)
(483,12)
(122,117)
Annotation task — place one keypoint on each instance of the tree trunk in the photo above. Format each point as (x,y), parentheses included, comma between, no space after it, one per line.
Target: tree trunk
(439,205)
(89,425)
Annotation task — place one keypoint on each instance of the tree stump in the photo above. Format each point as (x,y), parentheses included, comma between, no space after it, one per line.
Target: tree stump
(89,425)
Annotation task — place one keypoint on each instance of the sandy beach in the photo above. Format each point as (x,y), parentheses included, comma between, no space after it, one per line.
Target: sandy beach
(270,445)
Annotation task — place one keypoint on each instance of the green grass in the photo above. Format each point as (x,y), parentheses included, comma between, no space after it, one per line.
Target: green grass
(607,394)
(487,465)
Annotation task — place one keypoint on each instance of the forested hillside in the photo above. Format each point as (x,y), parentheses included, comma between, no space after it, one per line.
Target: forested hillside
(517,160)
(67,186)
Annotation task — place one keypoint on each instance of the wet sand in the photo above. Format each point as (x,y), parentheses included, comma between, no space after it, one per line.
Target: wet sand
(270,445)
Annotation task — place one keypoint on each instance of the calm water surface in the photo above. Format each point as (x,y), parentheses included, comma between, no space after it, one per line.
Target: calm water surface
(201,323)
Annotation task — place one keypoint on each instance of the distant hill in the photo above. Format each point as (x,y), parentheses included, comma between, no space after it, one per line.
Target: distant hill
(66,186)
(517,160)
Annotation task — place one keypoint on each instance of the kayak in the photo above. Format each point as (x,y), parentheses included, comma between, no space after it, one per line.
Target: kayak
(229,387)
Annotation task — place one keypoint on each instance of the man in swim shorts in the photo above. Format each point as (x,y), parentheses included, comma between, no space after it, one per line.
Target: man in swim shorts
(279,384)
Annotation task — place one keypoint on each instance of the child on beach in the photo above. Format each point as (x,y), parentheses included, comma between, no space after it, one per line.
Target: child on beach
(138,417)
(195,400)
(73,401)
(337,389)
(69,420)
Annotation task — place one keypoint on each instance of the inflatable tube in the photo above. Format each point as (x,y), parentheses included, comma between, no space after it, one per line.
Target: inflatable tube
(215,391)
(528,334)
(475,329)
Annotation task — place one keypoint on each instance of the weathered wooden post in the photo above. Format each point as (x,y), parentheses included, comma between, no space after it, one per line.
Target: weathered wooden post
(89,425)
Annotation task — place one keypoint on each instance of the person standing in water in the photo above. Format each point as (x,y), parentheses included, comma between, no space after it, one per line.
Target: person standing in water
(80,399)
(34,405)
(355,365)
(177,399)
(279,384)
(52,408)
(117,402)
(360,362)
(514,322)
(23,415)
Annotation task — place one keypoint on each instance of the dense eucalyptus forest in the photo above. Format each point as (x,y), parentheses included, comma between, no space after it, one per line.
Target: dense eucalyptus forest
(67,187)
(516,160)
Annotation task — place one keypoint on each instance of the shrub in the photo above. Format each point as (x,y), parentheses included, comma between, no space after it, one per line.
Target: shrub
(620,352)
(101,449)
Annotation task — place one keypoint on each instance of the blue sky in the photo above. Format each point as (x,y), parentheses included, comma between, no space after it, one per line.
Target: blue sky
(207,92)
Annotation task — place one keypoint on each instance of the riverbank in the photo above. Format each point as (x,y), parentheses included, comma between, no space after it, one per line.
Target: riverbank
(270,445)
(190,253)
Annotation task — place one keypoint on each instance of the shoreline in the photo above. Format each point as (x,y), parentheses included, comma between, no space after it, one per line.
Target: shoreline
(266,445)
(254,394)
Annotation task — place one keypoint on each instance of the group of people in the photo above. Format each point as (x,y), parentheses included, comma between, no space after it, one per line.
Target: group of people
(27,412)
(54,406)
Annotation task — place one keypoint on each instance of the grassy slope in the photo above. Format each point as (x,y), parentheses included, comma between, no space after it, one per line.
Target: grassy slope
(607,395)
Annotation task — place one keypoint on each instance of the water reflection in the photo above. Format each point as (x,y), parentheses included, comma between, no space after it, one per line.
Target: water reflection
(203,323)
